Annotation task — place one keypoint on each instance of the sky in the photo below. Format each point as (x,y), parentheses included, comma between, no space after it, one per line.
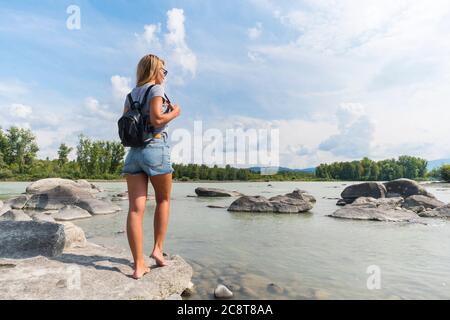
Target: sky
(340,80)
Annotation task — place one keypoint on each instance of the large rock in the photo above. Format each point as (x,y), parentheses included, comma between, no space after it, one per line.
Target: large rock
(376,214)
(42,216)
(441,212)
(383,209)
(60,196)
(70,212)
(419,203)
(91,273)
(23,239)
(18,202)
(215,192)
(406,188)
(294,202)
(5,208)
(44,185)
(74,236)
(251,204)
(366,189)
(97,206)
(14,215)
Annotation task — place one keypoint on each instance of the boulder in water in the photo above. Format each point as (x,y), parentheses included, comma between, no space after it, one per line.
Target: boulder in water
(294,202)
(441,212)
(406,188)
(70,212)
(415,202)
(366,189)
(215,192)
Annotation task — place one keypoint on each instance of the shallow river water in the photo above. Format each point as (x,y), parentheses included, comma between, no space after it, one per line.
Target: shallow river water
(288,256)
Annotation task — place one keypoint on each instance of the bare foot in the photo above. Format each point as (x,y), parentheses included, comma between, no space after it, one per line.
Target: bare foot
(140,272)
(159,258)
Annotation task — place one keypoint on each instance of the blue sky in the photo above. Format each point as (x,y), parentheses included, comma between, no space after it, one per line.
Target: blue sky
(339,79)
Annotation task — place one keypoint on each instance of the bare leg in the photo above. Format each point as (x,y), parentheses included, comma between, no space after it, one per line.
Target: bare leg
(163,186)
(137,194)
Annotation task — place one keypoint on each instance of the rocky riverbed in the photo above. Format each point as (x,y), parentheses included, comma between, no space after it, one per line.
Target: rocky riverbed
(43,256)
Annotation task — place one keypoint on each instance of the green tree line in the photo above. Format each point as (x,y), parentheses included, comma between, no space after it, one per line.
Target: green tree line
(104,160)
(366,169)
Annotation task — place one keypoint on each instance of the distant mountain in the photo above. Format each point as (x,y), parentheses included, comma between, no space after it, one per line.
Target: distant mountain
(437,163)
(281,169)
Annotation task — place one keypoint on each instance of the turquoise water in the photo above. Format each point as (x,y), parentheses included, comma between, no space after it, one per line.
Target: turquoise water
(306,256)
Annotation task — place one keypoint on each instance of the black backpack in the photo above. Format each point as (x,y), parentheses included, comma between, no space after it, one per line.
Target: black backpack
(133,124)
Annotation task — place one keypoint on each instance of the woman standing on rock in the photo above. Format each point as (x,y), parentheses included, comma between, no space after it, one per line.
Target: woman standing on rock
(151,162)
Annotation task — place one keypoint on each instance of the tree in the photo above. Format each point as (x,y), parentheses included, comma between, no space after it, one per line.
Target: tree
(63,154)
(21,148)
(445,173)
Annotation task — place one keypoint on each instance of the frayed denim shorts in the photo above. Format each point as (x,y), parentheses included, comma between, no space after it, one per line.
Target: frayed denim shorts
(153,159)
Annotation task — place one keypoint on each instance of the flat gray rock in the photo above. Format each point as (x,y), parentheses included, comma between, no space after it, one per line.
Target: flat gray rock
(15,215)
(419,201)
(375,214)
(97,206)
(441,212)
(91,273)
(215,192)
(70,212)
(24,239)
(42,216)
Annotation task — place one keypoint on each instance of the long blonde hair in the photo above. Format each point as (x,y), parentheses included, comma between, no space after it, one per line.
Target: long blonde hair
(148,68)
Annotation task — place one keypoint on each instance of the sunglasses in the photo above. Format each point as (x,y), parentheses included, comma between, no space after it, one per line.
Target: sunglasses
(165,72)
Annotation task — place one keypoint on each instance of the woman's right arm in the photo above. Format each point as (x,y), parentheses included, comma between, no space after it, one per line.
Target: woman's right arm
(159,119)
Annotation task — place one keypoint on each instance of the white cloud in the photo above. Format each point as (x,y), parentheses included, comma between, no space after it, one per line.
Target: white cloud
(392,56)
(18,110)
(255,32)
(120,87)
(355,136)
(150,36)
(181,60)
(99,111)
(181,54)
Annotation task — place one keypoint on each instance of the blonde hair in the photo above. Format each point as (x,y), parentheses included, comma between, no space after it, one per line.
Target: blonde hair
(148,68)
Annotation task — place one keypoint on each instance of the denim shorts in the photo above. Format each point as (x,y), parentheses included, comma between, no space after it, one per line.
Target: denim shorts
(153,159)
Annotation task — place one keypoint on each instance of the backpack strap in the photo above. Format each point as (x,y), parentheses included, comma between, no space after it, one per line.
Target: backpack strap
(146,93)
(130,99)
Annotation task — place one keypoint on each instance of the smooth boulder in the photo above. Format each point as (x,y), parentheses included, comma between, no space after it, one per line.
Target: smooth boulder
(24,239)
(366,189)
(18,202)
(15,215)
(74,236)
(215,192)
(295,202)
(42,216)
(406,188)
(63,195)
(70,212)
(384,209)
(44,185)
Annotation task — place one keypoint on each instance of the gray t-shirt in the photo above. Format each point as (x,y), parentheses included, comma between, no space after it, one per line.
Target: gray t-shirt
(156,91)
